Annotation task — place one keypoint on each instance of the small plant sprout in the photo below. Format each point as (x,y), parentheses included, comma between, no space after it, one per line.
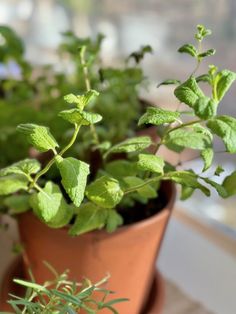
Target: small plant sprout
(62,295)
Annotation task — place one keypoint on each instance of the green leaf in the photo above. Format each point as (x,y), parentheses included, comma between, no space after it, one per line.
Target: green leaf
(218,171)
(81,100)
(188,138)
(17,203)
(139,55)
(188,179)
(39,136)
(205,107)
(146,191)
(158,116)
(202,32)
(229,184)
(74,175)
(31,285)
(26,166)
(80,117)
(130,145)
(89,217)
(219,188)
(203,78)
(50,206)
(104,146)
(150,163)
(189,92)
(105,192)
(186,192)
(121,168)
(208,53)
(189,49)
(225,128)
(207,156)
(12,183)
(169,82)
(224,79)
(114,220)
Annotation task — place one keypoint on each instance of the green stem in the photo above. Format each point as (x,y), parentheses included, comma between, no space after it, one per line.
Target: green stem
(88,87)
(173,129)
(183,125)
(77,127)
(51,162)
(137,187)
(198,59)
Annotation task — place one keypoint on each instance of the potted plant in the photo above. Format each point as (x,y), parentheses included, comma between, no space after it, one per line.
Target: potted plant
(116,214)
(60,295)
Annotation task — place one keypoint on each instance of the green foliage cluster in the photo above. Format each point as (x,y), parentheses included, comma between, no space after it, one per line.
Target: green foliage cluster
(61,295)
(128,173)
(36,92)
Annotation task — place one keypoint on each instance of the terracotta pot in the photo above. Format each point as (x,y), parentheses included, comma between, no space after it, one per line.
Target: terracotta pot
(129,254)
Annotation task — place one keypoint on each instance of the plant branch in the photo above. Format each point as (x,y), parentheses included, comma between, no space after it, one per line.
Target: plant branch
(51,162)
(137,187)
(88,87)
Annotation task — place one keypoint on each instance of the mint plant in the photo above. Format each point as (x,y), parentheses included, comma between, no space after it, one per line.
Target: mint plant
(128,176)
(61,295)
(36,94)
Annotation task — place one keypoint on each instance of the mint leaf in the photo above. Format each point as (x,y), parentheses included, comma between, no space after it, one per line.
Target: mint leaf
(186,192)
(207,53)
(80,117)
(146,191)
(218,171)
(81,100)
(189,49)
(224,79)
(74,175)
(202,32)
(225,128)
(39,136)
(158,116)
(121,168)
(50,206)
(89,217)
(187,138)
(26,166)
(114,220)
(203,78)
(229,184)
(189,92)
(130,145)
(12,183)
(150,163)
(105,192)
(169,82)
(205,107)
(17,203)
(188,179)
(207,156)
(219,188)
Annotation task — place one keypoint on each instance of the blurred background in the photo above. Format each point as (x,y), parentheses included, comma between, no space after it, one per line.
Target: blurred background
(165,25)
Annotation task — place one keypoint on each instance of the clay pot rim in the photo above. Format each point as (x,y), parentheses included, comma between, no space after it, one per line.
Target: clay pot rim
(134,226)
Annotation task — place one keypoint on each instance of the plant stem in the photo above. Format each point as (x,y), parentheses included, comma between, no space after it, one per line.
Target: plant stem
(183,125)
(88,87)
(173,129)
(137,187)
(51,162)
